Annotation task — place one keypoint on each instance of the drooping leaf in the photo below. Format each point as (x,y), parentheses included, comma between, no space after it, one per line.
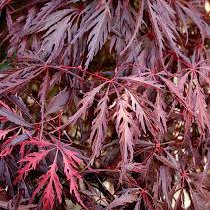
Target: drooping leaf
(57,102)
(85,103)
(124,126)
(14,117)
(127,197)
(99,126)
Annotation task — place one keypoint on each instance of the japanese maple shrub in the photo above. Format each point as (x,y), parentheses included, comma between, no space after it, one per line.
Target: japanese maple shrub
(104,91)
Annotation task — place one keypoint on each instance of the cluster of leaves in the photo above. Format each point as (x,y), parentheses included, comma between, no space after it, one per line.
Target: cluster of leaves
(69,123)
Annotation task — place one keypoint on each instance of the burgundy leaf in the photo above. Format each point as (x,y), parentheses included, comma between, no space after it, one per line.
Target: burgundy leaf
(99,126)
(58,102)
(14,117)
(127,197)
(85,103)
